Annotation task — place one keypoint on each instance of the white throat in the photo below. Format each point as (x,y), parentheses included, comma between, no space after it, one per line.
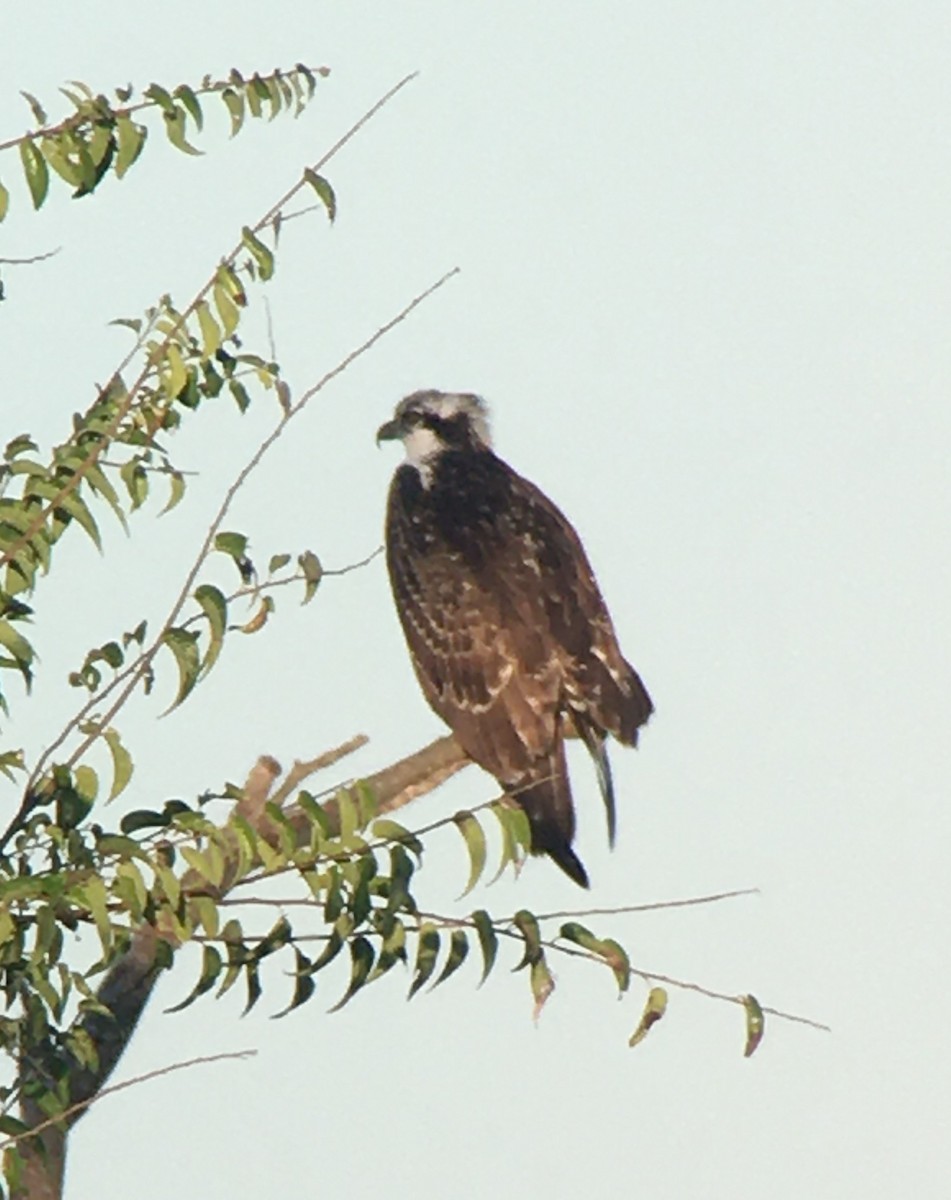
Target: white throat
(422,446)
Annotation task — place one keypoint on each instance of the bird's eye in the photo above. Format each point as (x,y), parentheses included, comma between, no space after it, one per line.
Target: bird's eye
(411,419)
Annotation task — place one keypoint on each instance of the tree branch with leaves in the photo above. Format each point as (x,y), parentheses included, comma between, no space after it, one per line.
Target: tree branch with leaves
(143,888)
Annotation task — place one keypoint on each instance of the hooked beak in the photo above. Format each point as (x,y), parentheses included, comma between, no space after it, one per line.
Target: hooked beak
(389,432)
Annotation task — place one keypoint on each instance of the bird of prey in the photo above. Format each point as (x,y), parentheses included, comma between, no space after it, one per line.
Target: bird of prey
(508,634)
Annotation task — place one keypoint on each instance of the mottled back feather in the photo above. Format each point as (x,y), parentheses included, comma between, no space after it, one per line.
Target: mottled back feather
(508,633)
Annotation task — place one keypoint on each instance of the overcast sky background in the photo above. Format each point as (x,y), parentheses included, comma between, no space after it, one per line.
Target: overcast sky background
(705,264)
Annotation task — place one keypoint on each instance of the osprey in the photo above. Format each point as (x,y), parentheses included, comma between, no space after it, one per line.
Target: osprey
(509,637)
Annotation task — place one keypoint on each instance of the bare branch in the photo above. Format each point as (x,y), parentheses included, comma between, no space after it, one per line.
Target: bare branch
(26,262)
(653,906)
(76,1110)
(301,770)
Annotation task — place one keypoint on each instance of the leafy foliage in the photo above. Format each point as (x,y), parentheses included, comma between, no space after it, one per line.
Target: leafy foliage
(149,884)
(102,135)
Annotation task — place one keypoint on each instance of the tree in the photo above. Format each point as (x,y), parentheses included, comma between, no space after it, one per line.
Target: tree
(142,887)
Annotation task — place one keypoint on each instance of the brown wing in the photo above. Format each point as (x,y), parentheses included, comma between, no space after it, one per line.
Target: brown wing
(599,684)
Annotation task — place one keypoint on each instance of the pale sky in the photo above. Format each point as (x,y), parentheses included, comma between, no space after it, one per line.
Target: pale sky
(704,286)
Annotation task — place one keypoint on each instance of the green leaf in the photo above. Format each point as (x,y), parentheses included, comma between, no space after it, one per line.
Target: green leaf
(458,953)
(386,830)
(142,818)
(76,508)
(58,152)
(335,944)
(102,487)
(263,257)
(184,647)
(130,137)
(361,963)
(527,925)
(36,171)
(211,965)
(176,490)
(71,808)
(654,1009)
(39,112)
(20,648)
(227,310)
(309,563)
(235,544)
(277,562)
(279,936)
(542,983)
(4,201)
(474,837)
(95,898)
(234,102)
(86,782)
(755,1024)
(401,874)
(189,101)
(303,984)
(427,951)
(136,480)
(210,332)
(607,949)
(324,192)
(215,608)
(240,394)
(10,761)
(175,131)
(177,376)
(503,814)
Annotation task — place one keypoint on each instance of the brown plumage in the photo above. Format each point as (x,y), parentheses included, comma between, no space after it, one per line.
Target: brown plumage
(509,636)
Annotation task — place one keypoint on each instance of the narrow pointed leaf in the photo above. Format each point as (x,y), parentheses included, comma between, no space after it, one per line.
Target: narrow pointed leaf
(386,830)
(488,941)
(210,332)
(361,963)
(527,925)
(263,257)
(427,951)
(474,838)
(176,490)
(324,192)
(175,132)
(303,984)
(77,509)
(184,646)
(252,978)
(211,965)
(313,573)
(121,764)
(654,1009)
(36,171)
(458,953)
(755,1024)
(543,984)
(130,137)
(215,608)
(605,948)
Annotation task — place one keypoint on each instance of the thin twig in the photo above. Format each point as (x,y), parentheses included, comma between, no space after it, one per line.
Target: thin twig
(689,902)
(26,262)
(126,1083)
(233,490)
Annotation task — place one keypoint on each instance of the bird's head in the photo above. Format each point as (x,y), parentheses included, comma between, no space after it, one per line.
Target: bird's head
(430,422)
